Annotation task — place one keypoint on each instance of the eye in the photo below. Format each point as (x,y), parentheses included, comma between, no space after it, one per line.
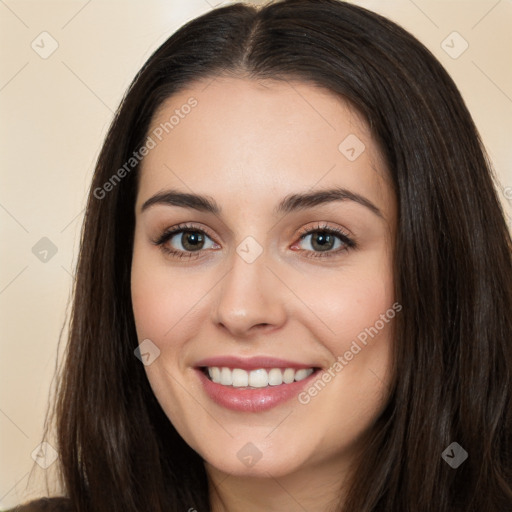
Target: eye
(324,241)
(188,241)
(183,241)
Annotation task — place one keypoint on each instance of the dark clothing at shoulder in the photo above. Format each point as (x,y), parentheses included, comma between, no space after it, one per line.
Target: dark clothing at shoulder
(45,505)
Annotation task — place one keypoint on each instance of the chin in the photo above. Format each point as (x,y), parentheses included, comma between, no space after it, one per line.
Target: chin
(269,465)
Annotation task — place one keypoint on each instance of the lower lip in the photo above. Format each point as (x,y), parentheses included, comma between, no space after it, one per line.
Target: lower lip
(252,400)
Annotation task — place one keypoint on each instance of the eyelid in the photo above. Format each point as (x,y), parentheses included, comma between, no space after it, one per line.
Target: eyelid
(174,230)
(322,226)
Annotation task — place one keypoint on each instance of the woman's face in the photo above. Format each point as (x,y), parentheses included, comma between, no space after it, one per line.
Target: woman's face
(281,286)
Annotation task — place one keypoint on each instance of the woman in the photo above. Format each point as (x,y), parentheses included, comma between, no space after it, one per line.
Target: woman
(294,283)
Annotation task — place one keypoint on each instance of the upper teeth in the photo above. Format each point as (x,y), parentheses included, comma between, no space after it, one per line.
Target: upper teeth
(260,378)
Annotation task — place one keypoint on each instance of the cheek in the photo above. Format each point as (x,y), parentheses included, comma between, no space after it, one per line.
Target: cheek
(360,308)
(164,305)
(359,311)
(161,299)
(350,304)
(150,297)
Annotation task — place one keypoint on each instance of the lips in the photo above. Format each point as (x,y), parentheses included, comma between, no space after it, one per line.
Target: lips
(253,384)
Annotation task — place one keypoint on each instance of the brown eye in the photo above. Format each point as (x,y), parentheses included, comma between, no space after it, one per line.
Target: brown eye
(184,241)
(192,240)
(322,241)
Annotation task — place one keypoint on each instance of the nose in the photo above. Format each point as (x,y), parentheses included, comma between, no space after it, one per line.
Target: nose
(249,299)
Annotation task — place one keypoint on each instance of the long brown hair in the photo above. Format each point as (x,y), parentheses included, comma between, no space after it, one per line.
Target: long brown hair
(453,275)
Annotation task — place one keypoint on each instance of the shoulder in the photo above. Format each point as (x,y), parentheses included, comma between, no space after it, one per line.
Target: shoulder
(45,505)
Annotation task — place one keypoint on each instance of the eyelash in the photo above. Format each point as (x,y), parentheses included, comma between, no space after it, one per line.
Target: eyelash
(168,234)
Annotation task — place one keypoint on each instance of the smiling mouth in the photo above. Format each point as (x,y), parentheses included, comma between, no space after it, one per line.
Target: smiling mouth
(255,379)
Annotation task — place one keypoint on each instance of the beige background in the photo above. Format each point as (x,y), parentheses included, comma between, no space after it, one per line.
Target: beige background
(54,114)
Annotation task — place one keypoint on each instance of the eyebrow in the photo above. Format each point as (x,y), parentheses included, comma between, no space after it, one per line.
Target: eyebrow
(291,203)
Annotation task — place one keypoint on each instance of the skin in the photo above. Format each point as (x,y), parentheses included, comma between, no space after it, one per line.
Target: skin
(248,144)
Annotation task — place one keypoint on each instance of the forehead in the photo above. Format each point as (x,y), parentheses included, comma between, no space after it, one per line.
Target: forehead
(245,139)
